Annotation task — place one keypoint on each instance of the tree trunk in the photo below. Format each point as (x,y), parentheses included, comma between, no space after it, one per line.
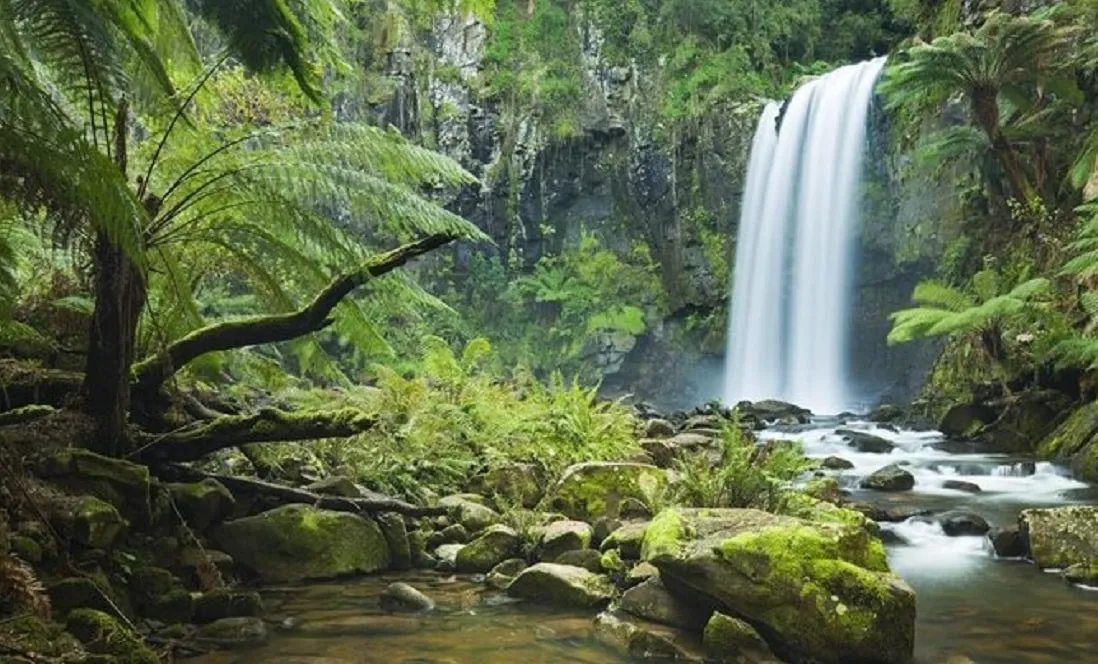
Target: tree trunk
(985,106)
(119,300)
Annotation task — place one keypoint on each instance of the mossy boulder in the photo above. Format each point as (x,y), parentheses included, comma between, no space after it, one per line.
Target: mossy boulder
(227,603)
(504,573)
(470,511)
(80,592)
(588,491)
(89,521)
(1075,441)
(297,542)
(562,536)
(728,639)
(652,601)
(26,548)
(204,503)
(627,540)
(819,592)
(396,535)
(512,484)
(890,478)
(403,597)
(493,546)
(123,484)
(1085,574)
(1061,536)
(561,585)
(103,635)
(47,640)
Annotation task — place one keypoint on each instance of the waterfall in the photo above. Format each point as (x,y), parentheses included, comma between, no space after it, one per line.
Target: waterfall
(792,275)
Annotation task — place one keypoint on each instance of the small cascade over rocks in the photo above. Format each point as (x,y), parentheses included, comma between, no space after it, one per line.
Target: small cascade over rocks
(794,250)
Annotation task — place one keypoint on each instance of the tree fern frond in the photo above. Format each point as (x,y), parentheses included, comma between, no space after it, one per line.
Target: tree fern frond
(1077,351)
(941,295)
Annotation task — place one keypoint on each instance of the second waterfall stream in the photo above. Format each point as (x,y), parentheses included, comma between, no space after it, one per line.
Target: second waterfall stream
(788,333)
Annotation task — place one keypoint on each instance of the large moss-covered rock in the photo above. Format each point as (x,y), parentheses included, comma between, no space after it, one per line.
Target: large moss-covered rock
(203,503)
(512,484)
(80,592)
(562,536)
(1061,536)
(123,484)
(561,585)
(587,491)
(297,542)
(496,544)
(1075,441)
(819,592)
(729,639)
(227,603)
(103,635)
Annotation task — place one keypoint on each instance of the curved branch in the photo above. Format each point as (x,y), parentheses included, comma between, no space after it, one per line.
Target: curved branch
(151,373)
(269,425)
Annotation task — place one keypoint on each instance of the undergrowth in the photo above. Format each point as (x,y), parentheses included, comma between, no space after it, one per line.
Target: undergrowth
(457,417)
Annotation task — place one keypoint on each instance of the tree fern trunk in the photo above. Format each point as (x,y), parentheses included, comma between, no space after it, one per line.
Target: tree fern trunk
(985,105)
(119,299)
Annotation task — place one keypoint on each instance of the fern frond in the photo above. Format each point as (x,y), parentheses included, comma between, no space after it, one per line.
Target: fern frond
(943,296)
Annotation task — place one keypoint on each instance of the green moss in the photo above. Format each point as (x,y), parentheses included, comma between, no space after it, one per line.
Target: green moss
(26,548)
(725,637)
(788,547)
(611,561)
(96,523)
(592,490)
(102,634)
(498,543)
(666,535)
(1079,429)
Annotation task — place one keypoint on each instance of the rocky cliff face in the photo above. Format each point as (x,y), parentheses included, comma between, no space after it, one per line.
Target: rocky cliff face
(627,177)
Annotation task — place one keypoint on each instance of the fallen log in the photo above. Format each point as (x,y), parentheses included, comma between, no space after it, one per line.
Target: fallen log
(370,503)
(269,425)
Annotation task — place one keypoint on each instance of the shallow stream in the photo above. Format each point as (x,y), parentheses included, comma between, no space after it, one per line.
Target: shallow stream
(972,607)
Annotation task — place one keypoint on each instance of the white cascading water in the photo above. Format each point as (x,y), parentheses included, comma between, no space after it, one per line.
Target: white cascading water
(788,331)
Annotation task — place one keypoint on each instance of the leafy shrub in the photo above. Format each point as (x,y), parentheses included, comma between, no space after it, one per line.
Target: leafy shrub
(748,475)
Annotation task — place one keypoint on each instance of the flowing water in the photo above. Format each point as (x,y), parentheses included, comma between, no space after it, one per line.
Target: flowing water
(794,251)
(970,604)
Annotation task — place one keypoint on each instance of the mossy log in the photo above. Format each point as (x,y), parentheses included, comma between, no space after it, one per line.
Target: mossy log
(371,502)
(151,373)
(23,384)
(269,425)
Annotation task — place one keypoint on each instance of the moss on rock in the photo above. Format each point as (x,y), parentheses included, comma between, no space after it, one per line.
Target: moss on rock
(628,540)
(728,639)
(203,503)
(496,544)
(297,542)
(820,591)
(1061,536)
(560,537)
(123,484)
(101,634)
(588,491)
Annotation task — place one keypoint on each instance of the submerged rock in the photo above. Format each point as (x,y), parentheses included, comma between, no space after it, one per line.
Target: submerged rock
(1085,574)
(1061,536)
(643,640)
(1008,542)
(836,463)
(958,522)
(587,491)
(561,585)
(961,485)
(403,597)
(822,592)
(729,639)
(297,542)
(890,478)
(233,632)
(496,544)
(865,442)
